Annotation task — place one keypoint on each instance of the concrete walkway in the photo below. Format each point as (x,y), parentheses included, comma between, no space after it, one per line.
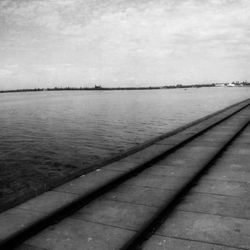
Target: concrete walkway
(215,215)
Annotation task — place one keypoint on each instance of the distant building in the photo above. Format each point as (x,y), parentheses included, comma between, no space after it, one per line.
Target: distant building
(98,87)
(221,84)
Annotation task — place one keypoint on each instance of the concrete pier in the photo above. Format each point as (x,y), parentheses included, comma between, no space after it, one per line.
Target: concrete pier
(216,213)
(111,207)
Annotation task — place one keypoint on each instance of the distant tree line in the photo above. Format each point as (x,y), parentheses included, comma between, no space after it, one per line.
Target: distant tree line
(99,87)
(189,86)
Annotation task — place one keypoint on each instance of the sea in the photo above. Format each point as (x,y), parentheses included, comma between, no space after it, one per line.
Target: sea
(55,132)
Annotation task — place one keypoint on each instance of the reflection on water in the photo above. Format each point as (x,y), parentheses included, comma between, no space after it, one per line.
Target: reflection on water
(48,134)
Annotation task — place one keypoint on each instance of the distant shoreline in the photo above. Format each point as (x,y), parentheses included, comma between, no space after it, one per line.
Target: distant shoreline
(100,88)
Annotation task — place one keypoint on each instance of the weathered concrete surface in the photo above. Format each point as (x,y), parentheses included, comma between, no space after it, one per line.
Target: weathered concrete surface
(147,196)
(115,213)
(217,205)
(79,235)
(167,243)
(44,203)
(217,211)
(89,182)
(227,231)
(28,247)
(17,219)
(109,221)
(231,188)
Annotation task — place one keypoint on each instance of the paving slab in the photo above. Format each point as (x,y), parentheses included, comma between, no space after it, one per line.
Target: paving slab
(234,166)
(228,231)
(226,170)
(146,196)
(115,213)
(247,131)
(238,176)
(156,181)
(234,158)
(166,243)
(245,139)
(129,188)
(78,235)
(239,150)
(230,188)
(176,171)
(216,204)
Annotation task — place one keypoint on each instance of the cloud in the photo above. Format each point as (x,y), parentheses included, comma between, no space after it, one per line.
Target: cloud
(5,73)
(127,41)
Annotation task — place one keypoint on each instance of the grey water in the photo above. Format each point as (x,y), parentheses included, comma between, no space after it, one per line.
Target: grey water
(54,131)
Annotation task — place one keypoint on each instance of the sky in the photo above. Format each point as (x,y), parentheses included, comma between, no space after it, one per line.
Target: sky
(47,43)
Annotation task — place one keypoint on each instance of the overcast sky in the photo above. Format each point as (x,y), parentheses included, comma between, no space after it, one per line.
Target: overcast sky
(46,43)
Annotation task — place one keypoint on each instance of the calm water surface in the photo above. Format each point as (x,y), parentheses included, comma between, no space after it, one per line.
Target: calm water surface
(54,131)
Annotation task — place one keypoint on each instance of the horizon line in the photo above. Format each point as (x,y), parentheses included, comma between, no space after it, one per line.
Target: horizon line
(100,87)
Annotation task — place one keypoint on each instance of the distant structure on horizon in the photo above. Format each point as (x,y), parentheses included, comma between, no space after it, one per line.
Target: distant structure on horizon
(99,87)
(233,84)
(221,84)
